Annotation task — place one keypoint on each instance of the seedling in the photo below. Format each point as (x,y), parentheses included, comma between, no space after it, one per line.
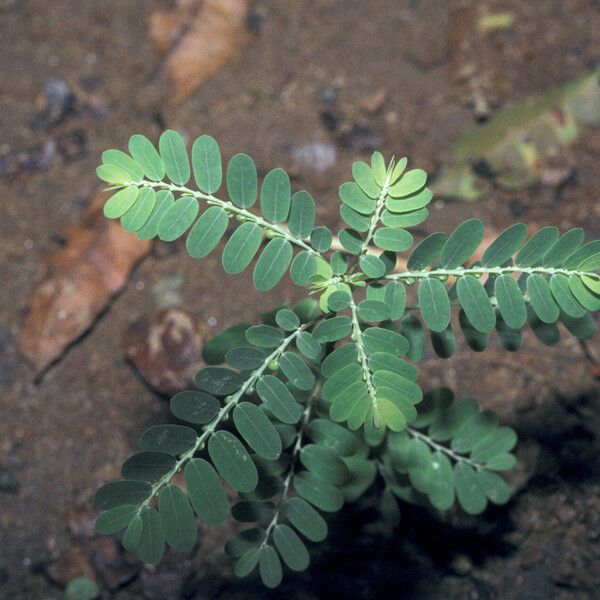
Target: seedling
(324,396)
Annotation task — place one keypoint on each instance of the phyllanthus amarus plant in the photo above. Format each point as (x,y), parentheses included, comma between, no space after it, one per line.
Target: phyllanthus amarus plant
(324,397)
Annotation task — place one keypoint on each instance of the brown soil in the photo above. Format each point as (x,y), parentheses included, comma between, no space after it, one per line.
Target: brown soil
(63,436)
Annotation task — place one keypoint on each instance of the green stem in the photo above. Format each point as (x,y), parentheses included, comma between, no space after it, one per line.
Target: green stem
(376,216)
(230,208)
(357,337)
(480,271)
(230,403)
(439,447)
(294,457)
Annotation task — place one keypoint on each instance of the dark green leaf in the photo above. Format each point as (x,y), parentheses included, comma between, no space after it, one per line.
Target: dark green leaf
(118,493)
(469,492)
(321,239)
(290,546)
(147,466)
(372,266)
(170,439)
(287,319)
(177,518)
(476,303)
(396,240)
(411,329)
(219,381)
(194,407)
(207,494)
(434,304)
(444,342)
(133,533)
(504,246)
(372,311)
(338,359)
(537,246)
(241,247)
(318,492)
(252,511)
(296,370)
(308,345)
(306,519)
(461,244)
(264,336)
(323,462)
(257,430)
(395,297)
(245,358)
(511,303)
(427,251)
(115,519)
(278,399)
(563,248)
(269,566)
(232,461)
(541,298)
(152,542)
(332,329)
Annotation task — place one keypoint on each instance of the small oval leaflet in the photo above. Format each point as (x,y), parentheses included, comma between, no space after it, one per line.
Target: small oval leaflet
(118,493)
(287,319)
(123,161)
(257,430)
(194,407)
(264,336)
(152,541)
(296,370)
(170,439)
(164,199)
(118,204)
(232,461)
(147,466)
(174,155)
(137,216)
(332,329)
(269,566)
(206,162)
(290,546)
(434,304)
(115,519)
(301,221)
(363,175)
(272,264)
(206,491)
(219,381)
(242,181)
(177,518)
(241,247)
(476,303)
(461,244)
(245,357)
(177,218)
(306,519)
(145,155)
(276,196)
(318,492)
(278,399)
(396,240)
(207,232)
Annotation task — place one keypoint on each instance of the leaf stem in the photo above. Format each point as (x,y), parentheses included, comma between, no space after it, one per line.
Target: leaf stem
(231,402)
(440,448)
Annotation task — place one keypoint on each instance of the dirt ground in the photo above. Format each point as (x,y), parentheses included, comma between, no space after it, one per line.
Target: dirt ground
(63,436)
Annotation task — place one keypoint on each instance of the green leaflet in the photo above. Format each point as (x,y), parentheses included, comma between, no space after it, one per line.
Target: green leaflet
(378,167)
(177,218)
(147,466)
(232,461)
(476,304)
(363,175)
(355,219)
(137,216)
(133,533)
(308,345)
(163,200)
(321,239)
(269,566)
(278,399)
(563,248)
(151,546)
(118,204)
(124,162)
(177,518)
(537,246)
(206,162)
(290,547)
(470,494)
(351,241)
(324,463)
(427,251)
(194,407)
(511,303)
(174,156)
(541,298)
(396,240)
(264,336)
(112,174)
(218,381)
(276,196)
(207,494)
(145,155)
(461,244)
(372,266)
(272,264)
(411,329)
(257,431)
(296,370)
(306,519)
(318,492)
(242,181)
(372,311)
(115,519)
(303,268)
(207,232)
(356,199)
(504,246)
(119,493)
(409,183)
(409,219)
(169,439)
(434,304)
(332,329)
(241,247)
(377,339)
(301,221)
(245,358)
(410,203)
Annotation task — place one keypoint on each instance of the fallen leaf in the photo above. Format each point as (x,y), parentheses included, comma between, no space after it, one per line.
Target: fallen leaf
(92,266)
(165,348)
(198,37)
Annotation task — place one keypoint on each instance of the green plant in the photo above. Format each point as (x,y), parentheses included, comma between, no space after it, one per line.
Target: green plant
(324,398)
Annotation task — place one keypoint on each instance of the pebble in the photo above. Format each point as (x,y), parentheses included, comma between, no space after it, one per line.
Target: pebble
(318,157)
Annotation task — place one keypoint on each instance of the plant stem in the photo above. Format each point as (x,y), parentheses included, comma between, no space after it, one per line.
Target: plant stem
(440,448)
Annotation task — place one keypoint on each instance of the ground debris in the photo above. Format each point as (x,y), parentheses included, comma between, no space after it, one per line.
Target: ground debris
(197,38)
(92,266)
(165,348)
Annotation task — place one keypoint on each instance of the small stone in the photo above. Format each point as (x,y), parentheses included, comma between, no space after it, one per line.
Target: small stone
(317,157)
(165,348)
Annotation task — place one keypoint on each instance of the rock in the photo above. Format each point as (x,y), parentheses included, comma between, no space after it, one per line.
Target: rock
(314,157)
(165,348)
(53,106)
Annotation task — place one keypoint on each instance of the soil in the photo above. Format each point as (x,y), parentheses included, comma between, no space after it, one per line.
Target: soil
(64,435)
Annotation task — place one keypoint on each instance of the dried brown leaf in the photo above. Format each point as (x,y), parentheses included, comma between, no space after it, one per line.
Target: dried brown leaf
(92,266)
(198,38)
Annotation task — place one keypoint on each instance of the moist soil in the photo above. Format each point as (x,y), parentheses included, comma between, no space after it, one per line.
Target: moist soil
(309,62)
